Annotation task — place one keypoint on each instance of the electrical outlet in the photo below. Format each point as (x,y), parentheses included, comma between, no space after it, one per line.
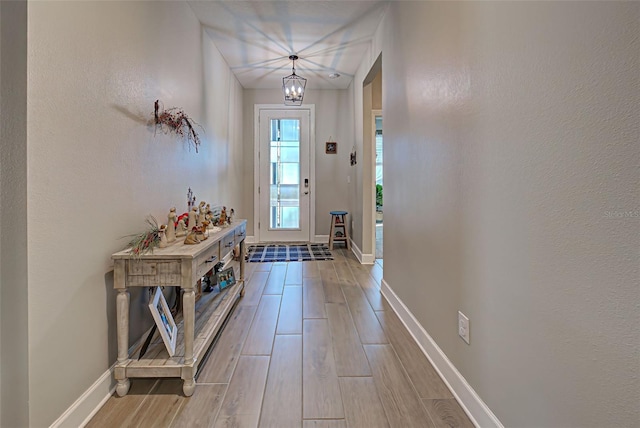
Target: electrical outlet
(463,327)
(348,179)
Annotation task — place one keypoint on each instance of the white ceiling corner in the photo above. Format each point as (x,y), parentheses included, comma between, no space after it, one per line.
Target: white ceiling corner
(257,37)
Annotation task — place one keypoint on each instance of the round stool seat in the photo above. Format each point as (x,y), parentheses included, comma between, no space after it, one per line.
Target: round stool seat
(338,212)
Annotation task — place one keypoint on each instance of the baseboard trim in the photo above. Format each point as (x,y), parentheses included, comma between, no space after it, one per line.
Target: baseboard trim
(88,404)
(474,407)
(365,259)
(321,239)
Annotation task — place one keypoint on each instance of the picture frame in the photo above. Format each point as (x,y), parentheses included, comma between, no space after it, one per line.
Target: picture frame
(331,147)
(226,278)
(164,321)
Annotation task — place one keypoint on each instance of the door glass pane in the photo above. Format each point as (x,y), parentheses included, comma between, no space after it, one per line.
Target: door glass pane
(290,173)
(284,156)
(290,216)
(290,154)
(379,150)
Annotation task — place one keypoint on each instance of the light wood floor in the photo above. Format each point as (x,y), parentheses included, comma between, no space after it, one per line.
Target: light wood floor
(312,344)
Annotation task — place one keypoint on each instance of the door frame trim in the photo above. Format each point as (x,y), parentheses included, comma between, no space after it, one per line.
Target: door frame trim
(257,108)
(374,113)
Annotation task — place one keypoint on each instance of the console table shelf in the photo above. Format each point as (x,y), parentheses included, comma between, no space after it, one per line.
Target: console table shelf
(211,311)
(176,265)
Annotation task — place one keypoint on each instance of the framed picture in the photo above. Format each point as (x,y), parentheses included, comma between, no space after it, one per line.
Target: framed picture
(164,321)
(226,278)
(331,147)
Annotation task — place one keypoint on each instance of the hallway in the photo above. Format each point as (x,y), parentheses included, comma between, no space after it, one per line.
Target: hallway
(311,344)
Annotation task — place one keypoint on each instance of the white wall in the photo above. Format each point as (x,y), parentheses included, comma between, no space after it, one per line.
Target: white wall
(511,136)
(13,221)
(334,119)
(1,179)
(96,169)
(361,202)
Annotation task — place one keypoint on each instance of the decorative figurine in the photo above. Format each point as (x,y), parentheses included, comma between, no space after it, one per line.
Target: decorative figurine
(223,217)
(163,236)
(201,212)
(192,238)
(182,228)
(231,215)
(171,225)
(200,232)
(191,200)
(193,218)
(208,215)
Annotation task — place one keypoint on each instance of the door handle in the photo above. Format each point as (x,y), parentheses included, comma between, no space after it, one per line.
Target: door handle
(306,186)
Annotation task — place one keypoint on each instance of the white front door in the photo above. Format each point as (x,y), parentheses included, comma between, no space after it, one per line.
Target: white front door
(284,188)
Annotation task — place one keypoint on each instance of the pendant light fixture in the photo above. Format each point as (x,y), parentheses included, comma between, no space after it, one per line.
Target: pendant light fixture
(293,86)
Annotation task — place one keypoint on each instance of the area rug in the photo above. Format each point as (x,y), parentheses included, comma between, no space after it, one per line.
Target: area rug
(287,252)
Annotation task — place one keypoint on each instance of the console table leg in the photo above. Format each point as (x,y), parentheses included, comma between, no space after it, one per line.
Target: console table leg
(188,387)
(243,250)
(122,310)
(122,388)
(242,256)
(188,312)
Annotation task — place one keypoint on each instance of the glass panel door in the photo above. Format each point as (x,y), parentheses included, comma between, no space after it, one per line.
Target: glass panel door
(284,189)
(284,149)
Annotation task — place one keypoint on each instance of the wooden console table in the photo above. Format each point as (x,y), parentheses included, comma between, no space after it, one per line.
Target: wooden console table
(181,266)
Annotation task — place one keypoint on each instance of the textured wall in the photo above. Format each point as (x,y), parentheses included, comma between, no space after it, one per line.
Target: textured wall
(366,178)
(13,221)
(511,153)
(96,169)
(376,91)
(333,119)
(362,202)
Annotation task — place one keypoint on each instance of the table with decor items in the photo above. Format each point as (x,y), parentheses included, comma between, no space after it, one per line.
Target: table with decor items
(177,265)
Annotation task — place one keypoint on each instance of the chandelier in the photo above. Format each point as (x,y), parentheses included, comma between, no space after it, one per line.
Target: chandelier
(293,86)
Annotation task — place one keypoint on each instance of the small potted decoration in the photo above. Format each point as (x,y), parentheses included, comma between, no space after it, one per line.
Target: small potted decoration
(146,241)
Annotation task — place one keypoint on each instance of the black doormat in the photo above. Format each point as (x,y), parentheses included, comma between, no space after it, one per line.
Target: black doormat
(287,252)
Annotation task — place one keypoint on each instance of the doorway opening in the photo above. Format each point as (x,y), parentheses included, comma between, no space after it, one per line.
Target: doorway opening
(377,133)
(372,168)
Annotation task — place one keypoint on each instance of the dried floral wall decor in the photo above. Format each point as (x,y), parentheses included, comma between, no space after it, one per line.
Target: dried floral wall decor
(175,120)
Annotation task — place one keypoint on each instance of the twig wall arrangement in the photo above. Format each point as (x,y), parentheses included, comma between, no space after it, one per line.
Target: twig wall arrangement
(176,120)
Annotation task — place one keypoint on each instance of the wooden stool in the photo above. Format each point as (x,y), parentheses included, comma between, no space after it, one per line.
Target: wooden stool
(339,220)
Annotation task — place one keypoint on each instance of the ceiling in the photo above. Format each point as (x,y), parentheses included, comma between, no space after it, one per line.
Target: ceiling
(257,37)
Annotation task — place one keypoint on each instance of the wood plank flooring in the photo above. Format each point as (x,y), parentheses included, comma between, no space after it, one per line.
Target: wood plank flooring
(290,319)
(282,405)
(310,345)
